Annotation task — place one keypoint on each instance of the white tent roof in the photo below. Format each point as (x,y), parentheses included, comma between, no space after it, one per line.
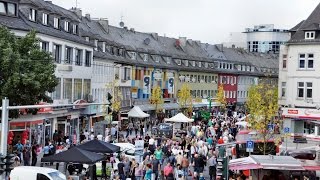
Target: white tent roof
(136,112)
(179,118)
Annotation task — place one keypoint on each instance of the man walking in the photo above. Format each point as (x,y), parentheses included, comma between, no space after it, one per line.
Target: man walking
(212,163)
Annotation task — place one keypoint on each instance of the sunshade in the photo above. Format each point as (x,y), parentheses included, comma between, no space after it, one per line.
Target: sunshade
(74,155)
(99,146)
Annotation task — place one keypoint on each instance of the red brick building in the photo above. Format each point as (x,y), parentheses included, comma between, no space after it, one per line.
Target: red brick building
(229,82)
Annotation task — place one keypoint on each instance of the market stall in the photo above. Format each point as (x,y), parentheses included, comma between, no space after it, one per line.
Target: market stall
(180,122)
(135,115)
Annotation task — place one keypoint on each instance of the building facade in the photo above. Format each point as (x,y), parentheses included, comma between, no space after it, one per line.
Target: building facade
(299,78)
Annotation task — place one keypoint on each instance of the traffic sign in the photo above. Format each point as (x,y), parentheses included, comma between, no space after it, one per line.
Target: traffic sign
(250,146)
(286,130)
(270,127)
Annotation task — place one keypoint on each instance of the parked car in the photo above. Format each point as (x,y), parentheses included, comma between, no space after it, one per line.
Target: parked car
(300,154)
(37,173)
(163,129)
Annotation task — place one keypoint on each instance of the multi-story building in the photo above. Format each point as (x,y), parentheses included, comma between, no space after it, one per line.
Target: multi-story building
(262,38)
(265,38)
(58,32)
(90,54)
(299,77)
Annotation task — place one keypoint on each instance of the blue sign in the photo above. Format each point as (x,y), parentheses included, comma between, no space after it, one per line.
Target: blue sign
(250,144)
(286,130)
(270,127)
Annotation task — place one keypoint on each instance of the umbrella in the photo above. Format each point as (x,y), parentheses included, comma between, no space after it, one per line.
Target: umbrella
(75,155)
(99,147)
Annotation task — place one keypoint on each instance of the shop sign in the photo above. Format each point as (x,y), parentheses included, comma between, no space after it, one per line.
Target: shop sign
(134,92)
(171,85)
(45,110)
(146,85)
(301,113)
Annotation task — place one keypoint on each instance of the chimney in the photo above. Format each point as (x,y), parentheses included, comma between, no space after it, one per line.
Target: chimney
(104,23)
(88,16)
(77,11)
(154,36)
(183,41)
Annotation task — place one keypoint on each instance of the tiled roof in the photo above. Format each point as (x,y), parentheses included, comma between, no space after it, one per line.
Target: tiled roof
(311,23)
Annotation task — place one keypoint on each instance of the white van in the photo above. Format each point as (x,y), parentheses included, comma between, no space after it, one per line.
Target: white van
(36,173)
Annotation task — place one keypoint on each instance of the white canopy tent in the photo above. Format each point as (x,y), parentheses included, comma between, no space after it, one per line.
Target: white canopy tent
(179,118)
(136,112)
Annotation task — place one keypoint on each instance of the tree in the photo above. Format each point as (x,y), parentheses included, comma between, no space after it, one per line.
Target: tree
(185,99)
(116,94)
(26,72)
(220,98)
(156,98)
(262,104)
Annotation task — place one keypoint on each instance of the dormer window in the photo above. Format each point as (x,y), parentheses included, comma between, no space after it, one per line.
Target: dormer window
(56,23)
(133,55)
(66,26)
(32,15)
(193,63)
(186,62)
(145,57)
(310,35)
(178,61)
(199,65)
(45,19)
(206,65)
(8,8)
(75,29)
(168,59)
(157,59)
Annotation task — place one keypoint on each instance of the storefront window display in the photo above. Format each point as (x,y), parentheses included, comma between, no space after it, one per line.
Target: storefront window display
(309,127)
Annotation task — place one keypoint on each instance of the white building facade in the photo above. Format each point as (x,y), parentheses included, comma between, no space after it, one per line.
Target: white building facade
(299,79)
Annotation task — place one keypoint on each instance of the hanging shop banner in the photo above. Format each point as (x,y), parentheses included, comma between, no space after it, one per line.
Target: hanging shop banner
(134,92)
(171,85)
(146,85)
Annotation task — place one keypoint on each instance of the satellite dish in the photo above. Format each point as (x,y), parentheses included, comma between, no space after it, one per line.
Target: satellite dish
(147,41)
(121,24)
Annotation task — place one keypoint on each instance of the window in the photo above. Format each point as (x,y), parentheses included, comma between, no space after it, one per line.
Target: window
(126,74)
(45,18)
(193,63)
(68,55)
(178,61)
(67,89)
(283,89)
(42,177)
(206,65)
(77,89)
(56,23)
(300,89)
(309,90)
(88,59)
(44,46)
(57,53)
(284,61)
(32,15)
(3,9)
(168,60)
(86,87)
(57,90)
(145,57)
(310,61)
(302,61)
(75,29)
(133,55)
(310,35)
(66,26)
(186,62)
(11,9)
(157,59)
(199,64)
(78,57)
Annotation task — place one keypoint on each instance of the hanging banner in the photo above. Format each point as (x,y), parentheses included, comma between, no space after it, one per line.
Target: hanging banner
(171,85)
(146,85)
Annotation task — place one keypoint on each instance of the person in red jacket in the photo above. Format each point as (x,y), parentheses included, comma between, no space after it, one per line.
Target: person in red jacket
(220,141)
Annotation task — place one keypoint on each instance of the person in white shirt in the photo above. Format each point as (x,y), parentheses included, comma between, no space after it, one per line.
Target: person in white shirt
(92,136)
(151,141)
(100,137)
(86,134)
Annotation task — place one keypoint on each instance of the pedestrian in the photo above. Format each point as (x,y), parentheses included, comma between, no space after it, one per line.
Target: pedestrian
(138,173)
(99,136)
(212,163)
(148,172)
(19,148)
(121,170)
(26,157)
(34,154)
(168,171)
(155,163)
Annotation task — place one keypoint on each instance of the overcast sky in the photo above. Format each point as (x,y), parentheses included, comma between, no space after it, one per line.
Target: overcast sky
(206,20)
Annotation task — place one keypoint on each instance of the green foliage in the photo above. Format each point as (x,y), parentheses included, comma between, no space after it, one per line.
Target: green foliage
(156,98)
(262,104)
(221,99)
(185,99)
(26,72)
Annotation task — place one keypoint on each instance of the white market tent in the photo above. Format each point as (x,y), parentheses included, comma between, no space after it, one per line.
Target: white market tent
(136,112)
(179,118)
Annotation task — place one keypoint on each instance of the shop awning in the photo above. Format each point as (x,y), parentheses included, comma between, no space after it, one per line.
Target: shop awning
(170,106)
(136,112)
(266,162)
(146,107)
